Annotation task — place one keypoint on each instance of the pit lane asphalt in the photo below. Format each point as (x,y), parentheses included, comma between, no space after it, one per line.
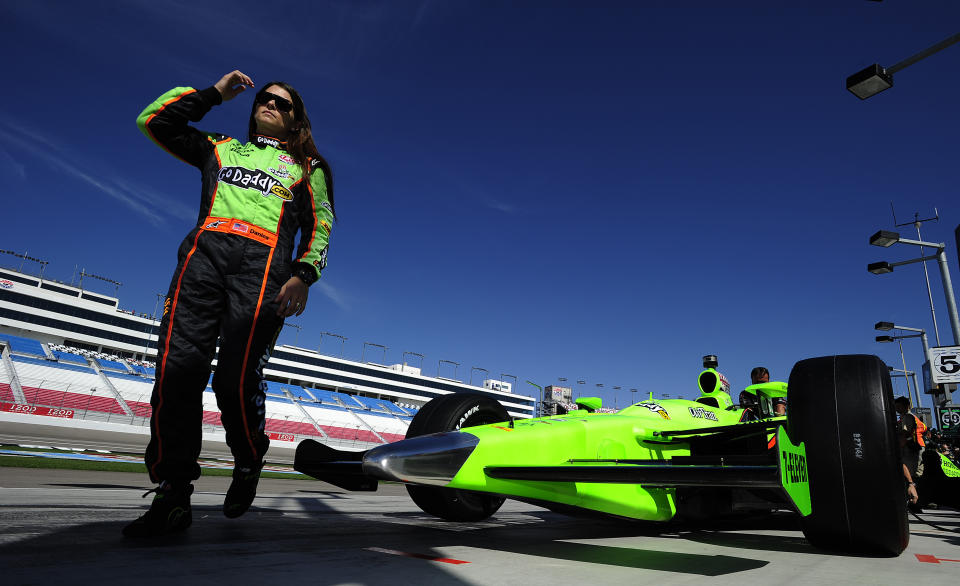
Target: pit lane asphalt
(63,526)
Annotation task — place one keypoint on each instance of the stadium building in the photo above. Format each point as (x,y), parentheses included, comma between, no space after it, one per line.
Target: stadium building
(72,354)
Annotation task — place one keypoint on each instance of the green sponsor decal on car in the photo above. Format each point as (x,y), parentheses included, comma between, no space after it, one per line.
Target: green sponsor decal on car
(793,471)
(948,467)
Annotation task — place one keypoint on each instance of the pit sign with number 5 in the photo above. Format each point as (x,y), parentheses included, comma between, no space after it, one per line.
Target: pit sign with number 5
(945,364)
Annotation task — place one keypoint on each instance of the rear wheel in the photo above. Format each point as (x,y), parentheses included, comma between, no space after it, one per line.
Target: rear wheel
(841,407)
(449,413)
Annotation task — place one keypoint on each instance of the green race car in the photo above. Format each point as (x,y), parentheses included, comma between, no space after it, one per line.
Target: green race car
(834,458)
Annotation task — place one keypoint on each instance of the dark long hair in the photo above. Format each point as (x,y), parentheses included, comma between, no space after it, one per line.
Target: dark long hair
(299,144)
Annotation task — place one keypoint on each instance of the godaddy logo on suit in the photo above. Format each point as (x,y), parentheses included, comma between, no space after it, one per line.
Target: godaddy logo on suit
(244,178)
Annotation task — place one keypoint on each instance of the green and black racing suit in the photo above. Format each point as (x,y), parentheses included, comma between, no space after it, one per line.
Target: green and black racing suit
(230,268)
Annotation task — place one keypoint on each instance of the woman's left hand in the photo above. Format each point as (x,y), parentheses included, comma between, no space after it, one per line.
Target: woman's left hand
(292,298)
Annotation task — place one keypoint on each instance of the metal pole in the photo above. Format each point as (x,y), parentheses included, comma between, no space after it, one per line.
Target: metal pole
(914,375)
(905,377)
(926,275)
(948,293)
(478,368)
(926,346)
(923,54)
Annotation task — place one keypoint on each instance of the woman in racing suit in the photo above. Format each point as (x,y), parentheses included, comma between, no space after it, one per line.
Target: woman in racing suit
(237,277)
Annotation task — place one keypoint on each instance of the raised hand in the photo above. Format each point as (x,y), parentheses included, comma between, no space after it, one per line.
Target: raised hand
(232,84)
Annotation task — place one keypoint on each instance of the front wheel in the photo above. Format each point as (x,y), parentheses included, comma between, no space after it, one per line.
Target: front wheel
(841,407)
(450,413)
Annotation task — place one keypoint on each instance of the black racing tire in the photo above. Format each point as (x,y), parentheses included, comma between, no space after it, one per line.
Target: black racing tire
(449,413)
(841,407)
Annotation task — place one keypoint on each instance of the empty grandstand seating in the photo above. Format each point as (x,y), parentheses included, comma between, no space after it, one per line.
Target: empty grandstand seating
(61,377)
(112,365)
(26,346)
(389,427)
(69,400)
(348,401)
(140,408)
(44,363)
(370,404)
(6,393)
(395,409)
(135,390)
(65,386)
(275,389)
(326,397)
(70,357)
(300,393)
(288,426)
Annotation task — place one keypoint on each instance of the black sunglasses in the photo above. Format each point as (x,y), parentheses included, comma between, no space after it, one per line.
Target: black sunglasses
(282,104)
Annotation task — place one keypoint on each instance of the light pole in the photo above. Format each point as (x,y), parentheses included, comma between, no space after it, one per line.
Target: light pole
(24,257)
(905,374)
(116,284)
(886,326)
(539,412)
(876,78)
(886,239)
(580,388)
(633,396)
(296,338)
(504,375)
(403,357)
(363,352)
(455,365)
(615,405)
(478,368)
(916,392)
(343,339)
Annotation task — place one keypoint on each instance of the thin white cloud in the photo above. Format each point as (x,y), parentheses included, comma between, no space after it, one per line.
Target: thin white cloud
(500,206)
(172,206)
(17,169)
(153,206)
(331,293)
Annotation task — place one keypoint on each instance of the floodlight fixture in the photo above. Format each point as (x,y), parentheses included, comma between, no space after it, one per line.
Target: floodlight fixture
(884,238)
(883,326)
(880,268)
(884,338)
(869,82)
(876,78)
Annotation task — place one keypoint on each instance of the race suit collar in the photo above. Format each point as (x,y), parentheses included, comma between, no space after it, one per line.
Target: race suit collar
(263,141)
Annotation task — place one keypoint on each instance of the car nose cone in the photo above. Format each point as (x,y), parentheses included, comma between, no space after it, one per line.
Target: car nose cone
(429,459)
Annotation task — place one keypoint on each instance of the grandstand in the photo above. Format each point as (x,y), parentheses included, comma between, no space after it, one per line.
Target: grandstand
(75,355)
(74,383)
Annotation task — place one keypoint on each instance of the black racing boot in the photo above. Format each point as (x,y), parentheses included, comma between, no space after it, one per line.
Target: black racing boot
(242,491)
(169,512)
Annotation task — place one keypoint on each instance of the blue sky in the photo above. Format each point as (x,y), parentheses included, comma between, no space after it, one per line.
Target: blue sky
(601,191)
